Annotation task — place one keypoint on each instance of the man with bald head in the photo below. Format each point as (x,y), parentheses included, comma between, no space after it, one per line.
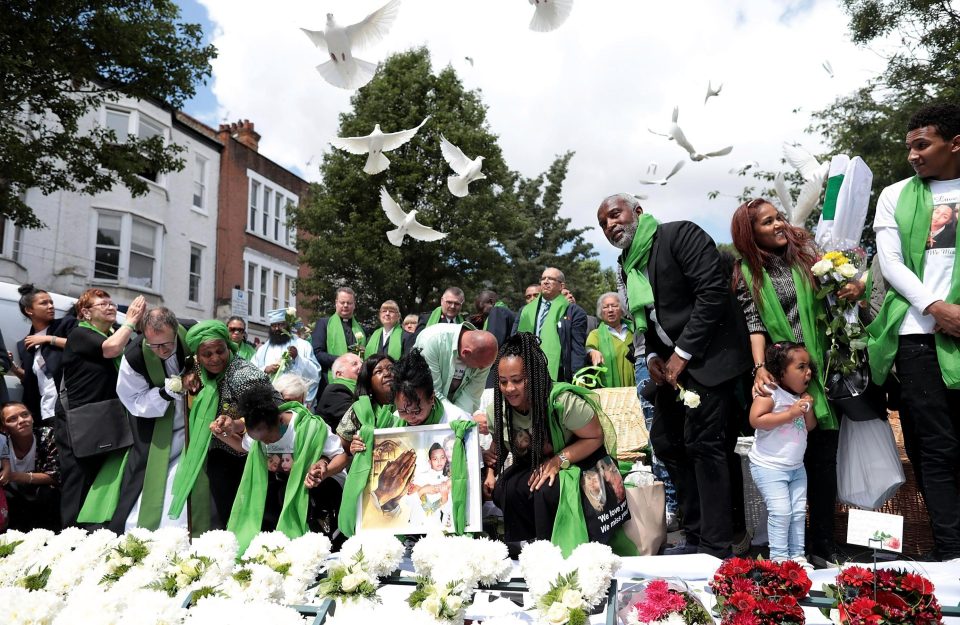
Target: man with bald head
(459,357)
(338,395)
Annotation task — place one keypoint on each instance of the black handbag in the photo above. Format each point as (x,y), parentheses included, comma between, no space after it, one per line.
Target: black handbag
(98,427)
(855,395)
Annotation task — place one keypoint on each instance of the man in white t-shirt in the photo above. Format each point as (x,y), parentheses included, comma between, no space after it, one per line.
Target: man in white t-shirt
(917,328)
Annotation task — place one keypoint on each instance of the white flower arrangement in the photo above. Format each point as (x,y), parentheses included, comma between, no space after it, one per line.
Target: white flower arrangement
(23,607)
(220,546)
(235,612)
(565,589)
(382,553)
(479,561)
(254,582)
(443,602)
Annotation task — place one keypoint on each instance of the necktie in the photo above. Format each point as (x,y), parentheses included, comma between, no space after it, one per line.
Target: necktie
(542,315)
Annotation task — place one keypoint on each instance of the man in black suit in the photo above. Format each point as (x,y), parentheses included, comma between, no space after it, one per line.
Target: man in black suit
(493,316)
(560,325)
(696,339)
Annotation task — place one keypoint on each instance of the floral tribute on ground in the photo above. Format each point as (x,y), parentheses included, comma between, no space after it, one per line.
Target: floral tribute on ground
(661,602)
(760,592)
(884,597)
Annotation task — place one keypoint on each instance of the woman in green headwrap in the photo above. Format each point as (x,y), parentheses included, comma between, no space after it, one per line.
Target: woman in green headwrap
(611,344)
(556,435)
(211,464)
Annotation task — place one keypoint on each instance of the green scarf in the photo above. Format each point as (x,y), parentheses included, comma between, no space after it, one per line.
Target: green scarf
(246,518)
(814,333)
(486,321)
(459,476)
(913,215)
(245,350)
(549,335)
(337,341)
(394,344)
(634,262)
(348,382)
(202,414)
(359,473)
(437,313)
(611,377)
(90,326)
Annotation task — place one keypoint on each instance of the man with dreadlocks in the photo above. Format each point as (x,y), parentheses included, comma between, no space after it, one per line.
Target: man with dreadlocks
(553,430)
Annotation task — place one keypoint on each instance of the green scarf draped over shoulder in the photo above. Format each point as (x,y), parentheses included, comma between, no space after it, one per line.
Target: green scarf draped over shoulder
(246,518)
(337,340)
(634,262)
(486,322)
(549,334)
(101,502)
(202,414)
(913,215)
(437,313)
(814,333)
(370,420)
(610,377)
(246,350)
(394,343)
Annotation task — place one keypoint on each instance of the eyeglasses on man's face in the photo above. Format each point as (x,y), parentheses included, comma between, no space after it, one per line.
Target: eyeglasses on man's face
(159,347)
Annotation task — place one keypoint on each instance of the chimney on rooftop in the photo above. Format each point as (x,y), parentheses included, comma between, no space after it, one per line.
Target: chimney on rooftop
(243,132)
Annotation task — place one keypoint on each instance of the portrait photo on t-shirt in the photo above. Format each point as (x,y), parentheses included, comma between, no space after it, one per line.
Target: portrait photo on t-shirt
(943,225)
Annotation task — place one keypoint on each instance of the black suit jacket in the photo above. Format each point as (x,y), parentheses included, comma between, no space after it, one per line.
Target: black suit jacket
(573,340)
(51,356)
(333,403)
(695,305)
(500,322)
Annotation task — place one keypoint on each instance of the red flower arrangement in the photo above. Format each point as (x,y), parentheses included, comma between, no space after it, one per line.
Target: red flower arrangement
(760,592)
(661,602)
(901,598)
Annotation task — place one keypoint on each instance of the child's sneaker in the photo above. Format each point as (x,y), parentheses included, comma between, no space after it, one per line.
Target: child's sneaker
(803,563)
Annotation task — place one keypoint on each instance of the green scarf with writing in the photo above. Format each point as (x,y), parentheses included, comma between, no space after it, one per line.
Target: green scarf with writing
(814,333)
(246,518)
(913,215)
(394,344)
(610,377)
(359,473)
(549,333)
(437,313)
(634,262)
(337,341)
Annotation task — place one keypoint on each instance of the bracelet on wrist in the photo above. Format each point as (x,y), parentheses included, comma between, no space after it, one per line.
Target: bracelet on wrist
(757,367)
(129,326)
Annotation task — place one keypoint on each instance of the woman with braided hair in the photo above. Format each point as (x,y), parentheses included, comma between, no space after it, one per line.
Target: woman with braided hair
(552,430)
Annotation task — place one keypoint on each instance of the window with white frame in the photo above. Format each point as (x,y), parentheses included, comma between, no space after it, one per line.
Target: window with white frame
(125,122)
(127,250)
(270,208)
(269,285)
(200,182)
(10,237)
(196,260)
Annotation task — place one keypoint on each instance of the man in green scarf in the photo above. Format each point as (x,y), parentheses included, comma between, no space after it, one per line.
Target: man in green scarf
(451,302)
(917,327)
(560,325)
(335,336)
(695,337)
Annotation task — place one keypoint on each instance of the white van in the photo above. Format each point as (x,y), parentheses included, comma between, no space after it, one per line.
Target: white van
(15,326)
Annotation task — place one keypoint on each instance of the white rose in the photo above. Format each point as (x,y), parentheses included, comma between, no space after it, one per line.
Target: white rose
(292,311)
(557,614)
(572,599)
(847,271)
(181,580)
(351,581)
(176,384)
(455,602)
(691,399)
(821,267)
(190,567)
(432,605)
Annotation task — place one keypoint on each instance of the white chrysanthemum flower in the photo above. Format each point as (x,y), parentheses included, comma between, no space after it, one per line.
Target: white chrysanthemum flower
(382,553)
(220,610)
(101,608)
(151,607)
(266,541)
(23,607)
(219,545)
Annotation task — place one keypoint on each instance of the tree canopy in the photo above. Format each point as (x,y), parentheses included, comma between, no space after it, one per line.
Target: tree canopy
(61,60)
(342,227)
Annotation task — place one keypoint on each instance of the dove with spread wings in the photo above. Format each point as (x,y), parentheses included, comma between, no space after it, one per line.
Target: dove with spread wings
(375,144)
(549,14)
(467,170)
(343,69)
(406,223)
(676,134)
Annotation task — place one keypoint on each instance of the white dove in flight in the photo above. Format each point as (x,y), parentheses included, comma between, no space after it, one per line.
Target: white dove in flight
(676,134)
(711,91)
(652,168)
(663,181)
(549,14)
(343,69)
(376,143)
(406,223)
(467,170)
(806,201)
(804,162)
(827,67)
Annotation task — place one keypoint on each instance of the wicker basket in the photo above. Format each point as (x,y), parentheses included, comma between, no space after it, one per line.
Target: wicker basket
(907,502)
(623,407)
(754,509)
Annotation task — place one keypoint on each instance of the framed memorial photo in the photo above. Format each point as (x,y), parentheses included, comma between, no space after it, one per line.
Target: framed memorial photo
(409,490)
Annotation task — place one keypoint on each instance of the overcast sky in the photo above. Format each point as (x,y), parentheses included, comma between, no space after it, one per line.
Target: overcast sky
(595,85)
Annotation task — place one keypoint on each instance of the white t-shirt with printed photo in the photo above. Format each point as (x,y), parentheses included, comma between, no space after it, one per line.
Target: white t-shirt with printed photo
(939,256)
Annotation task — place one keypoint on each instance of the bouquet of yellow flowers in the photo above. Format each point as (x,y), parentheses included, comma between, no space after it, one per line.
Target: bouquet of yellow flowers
(848,337)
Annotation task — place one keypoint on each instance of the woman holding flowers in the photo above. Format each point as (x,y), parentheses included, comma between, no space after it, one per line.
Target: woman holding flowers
(776,288)
(553,431)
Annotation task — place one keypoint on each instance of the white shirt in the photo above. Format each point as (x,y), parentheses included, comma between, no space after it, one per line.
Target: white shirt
(287,442)
(938,260)
(306,365)
(782,447)
(47,386)
(28,463)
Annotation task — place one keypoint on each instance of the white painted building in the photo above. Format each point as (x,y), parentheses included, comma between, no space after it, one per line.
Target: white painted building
(161,245)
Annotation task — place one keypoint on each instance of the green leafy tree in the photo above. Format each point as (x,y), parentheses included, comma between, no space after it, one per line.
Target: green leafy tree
(61,60)
(343,228)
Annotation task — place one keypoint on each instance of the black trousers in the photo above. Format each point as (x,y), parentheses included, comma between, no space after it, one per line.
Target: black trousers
(224,471)
(34,507)
(76,474)
(693,445)
(930,415)
(820,462)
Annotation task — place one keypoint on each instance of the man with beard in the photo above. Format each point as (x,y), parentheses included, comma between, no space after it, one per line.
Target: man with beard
(285,352)
(695,338)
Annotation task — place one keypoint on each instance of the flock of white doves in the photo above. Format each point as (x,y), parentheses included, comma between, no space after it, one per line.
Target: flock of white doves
(348,72)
